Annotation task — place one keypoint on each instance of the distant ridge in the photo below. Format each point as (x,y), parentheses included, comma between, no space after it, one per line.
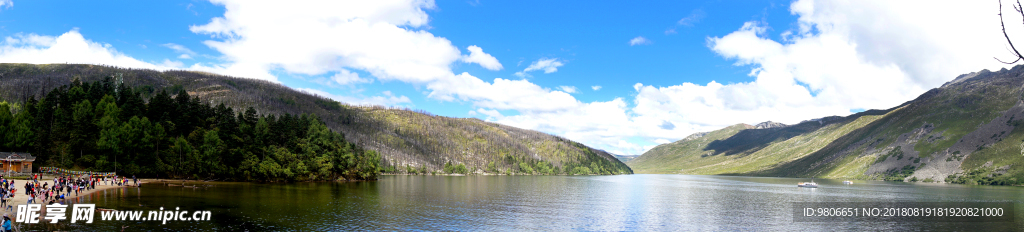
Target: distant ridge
(967,131)
(769,125)
(408,140)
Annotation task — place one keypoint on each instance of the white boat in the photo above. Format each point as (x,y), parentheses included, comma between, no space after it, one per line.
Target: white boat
(807,184)
(847,182)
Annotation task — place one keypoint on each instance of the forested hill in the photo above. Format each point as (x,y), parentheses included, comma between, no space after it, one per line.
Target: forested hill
(968,131)
(407,141)
(107,127)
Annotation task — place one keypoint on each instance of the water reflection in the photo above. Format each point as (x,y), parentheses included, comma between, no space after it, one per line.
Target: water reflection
(617,203)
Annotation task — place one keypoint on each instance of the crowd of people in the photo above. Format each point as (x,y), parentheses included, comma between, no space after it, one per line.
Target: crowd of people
(6,193)
(46,193)
(61,188)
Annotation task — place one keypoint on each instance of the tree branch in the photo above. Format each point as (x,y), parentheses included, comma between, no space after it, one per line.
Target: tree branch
(1003,25)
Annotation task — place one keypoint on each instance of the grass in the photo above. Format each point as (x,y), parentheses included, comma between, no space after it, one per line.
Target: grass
(955,121)
(853,167)
(691,162)
(930,124)
(672,157)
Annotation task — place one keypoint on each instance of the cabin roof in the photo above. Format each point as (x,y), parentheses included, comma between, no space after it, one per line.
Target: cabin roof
(17,156)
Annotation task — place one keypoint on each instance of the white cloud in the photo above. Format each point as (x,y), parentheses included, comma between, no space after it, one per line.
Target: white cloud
(33,40)
(386,99)
(694,17)
(477,55)
(70,47)
(567,89)
(179,49)
(596,87)
(319,37)
(189,8)
(604,125)
(690,108)
(345,77)
(499,94)
(639,40)
(172,63)
(522,74)
(6,4)
(490,113)
(838,51)
(257,39)
(549,65)
(846,61)
(520,95)
(382,38)
(918,38)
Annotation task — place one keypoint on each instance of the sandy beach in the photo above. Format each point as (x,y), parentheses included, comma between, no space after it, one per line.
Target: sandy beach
(20,197)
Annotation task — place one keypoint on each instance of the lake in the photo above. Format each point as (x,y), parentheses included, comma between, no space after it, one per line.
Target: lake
(559,203)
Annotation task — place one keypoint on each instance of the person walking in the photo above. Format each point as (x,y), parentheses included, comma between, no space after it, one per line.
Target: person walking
(7,223)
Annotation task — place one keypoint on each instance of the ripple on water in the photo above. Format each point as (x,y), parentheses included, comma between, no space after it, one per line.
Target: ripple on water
(546,203)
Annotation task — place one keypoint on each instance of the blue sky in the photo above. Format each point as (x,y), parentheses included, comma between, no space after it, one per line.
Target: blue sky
(665,69)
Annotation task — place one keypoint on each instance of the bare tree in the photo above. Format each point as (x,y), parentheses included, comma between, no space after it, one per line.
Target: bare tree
(1013,50)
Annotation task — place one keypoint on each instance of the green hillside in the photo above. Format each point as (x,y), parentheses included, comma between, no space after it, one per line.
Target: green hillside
(967,131)
(407,140)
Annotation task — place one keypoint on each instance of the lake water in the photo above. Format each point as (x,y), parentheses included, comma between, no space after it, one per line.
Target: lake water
(546,203)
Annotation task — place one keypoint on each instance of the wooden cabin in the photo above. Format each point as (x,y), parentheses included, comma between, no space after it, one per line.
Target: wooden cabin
(16,162)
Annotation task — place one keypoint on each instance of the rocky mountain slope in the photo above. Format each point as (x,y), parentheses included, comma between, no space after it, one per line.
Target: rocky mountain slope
(966,131)
(409,141)
(769,125)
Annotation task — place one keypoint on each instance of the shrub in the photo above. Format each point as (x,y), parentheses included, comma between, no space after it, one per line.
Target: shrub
(461,168)
(525,168)
(448,168)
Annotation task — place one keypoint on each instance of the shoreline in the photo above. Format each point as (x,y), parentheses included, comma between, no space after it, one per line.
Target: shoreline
(493,174)
(21,198)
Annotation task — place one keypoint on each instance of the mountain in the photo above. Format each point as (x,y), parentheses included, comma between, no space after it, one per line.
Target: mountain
(625,158)
(407,140)
(966,131)
(769,125)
